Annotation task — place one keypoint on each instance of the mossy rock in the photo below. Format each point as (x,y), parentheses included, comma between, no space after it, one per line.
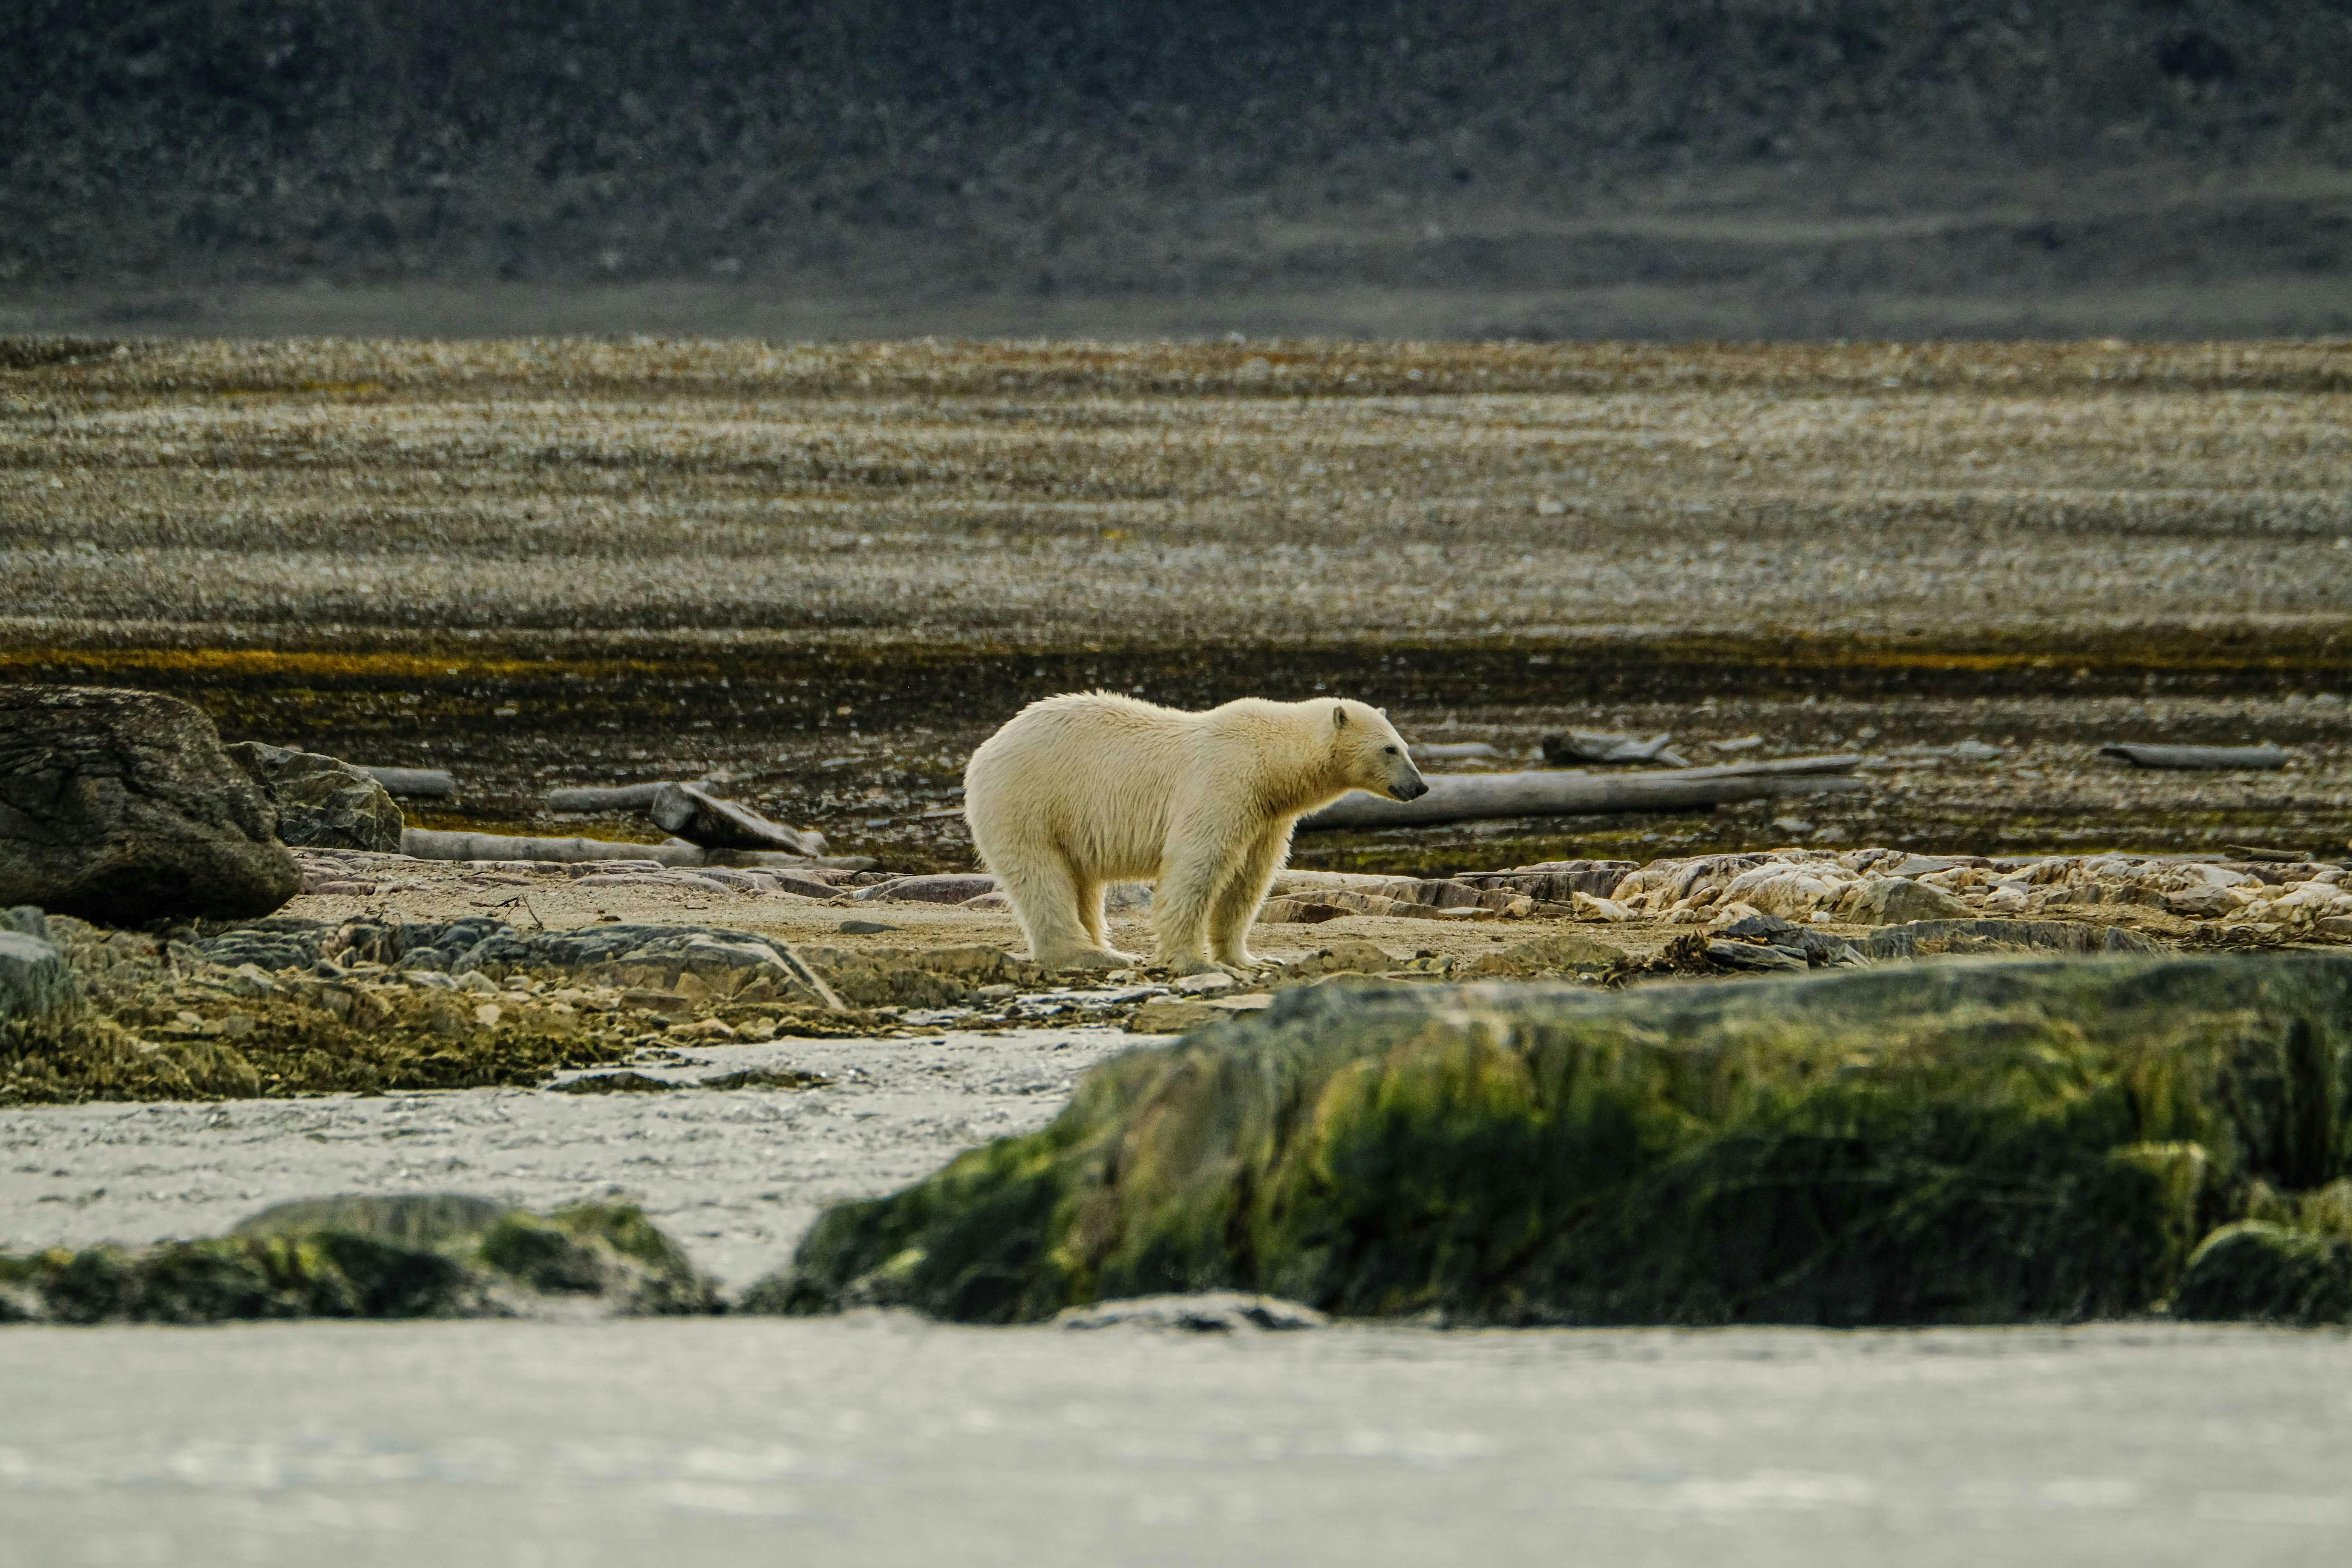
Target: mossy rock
(2262,1272)
(435,1254)
(1969,1142)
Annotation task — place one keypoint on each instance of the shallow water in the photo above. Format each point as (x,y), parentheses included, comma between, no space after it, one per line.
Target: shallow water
(880,1439)
(734,1175)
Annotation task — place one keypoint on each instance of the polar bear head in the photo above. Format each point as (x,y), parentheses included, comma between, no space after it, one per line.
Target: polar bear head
(1371,755)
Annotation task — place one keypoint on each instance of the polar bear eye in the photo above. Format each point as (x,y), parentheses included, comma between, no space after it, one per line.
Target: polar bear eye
(1388,751)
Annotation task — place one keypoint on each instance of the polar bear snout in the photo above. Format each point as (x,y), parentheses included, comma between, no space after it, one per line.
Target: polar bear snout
(1408,785)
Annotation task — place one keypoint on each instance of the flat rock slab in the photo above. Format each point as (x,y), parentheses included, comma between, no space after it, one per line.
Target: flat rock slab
(121,806)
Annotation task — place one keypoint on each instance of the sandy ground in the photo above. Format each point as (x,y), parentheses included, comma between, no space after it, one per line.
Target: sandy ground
(880,1440)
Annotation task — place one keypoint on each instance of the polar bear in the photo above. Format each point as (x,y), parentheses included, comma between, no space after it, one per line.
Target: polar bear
(1084,790)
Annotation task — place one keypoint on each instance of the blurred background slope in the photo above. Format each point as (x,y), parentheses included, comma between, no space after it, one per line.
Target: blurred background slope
(1692,167)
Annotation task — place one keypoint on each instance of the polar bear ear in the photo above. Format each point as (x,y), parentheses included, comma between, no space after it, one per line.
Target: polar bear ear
(1339,718)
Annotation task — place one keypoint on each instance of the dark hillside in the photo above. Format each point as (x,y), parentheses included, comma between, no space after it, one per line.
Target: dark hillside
(1792,151)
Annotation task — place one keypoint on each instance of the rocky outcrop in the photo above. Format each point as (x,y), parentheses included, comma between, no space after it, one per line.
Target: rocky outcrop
(322,803)
(1968,1142)
(426,1256)
(122,806)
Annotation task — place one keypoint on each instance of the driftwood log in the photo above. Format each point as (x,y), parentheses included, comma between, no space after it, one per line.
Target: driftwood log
(1470,797)
(2265,755)
(425,783)
(428,844)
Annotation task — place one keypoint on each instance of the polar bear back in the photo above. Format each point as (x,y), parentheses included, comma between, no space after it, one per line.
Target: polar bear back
(1097,775)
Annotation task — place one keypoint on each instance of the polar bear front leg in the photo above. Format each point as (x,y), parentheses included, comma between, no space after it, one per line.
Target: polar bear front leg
(1183,902)
(1238,900)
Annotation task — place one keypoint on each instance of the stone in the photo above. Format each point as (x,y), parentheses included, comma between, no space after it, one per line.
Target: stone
(411,1256)
(1299,911)
(1997,1141)
(1953,938)
(1171,1015)
(1201,1312)
(935,889)
(323,803)
(701,817)
(1895,901)
(121,807)
(37,984)
(1559,954)
(866,928)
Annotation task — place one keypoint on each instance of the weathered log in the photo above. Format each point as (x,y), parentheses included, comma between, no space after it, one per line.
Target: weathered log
(1469,797)
(702,818)
(428,844)
(2265,755)
(435,783)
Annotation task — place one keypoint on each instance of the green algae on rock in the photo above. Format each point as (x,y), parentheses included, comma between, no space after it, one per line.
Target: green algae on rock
(1973,1141)
(424,1256)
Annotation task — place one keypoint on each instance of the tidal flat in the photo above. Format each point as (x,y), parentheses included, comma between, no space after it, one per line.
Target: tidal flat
(826,571)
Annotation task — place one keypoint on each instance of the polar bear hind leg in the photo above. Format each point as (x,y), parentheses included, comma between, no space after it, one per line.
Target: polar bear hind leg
(1048,896)
(1090,915)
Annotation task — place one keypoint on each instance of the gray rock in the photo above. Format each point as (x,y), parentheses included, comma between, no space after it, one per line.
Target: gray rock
(120,806)
(1202,1313)
(1992,937)
(1894,900)
(37,984)
(701,818)
(323,803)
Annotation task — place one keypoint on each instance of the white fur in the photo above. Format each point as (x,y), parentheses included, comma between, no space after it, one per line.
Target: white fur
(1078,792)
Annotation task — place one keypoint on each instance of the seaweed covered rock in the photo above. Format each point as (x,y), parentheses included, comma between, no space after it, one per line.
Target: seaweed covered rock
(121,806)
(322,803)
(408,1256)
(1974,1142)
(2268,1273)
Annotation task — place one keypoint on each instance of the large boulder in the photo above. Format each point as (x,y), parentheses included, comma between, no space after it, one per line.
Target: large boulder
(1979,1141)
(121,807)
(322,803)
